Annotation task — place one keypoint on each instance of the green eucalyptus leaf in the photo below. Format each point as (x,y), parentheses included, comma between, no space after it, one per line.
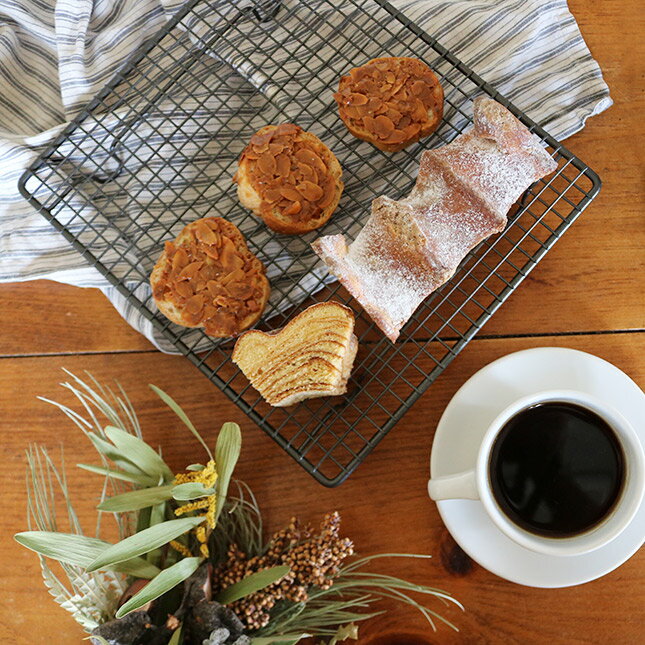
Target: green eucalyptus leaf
(176,637)
(139,452)
(157,516)
(142,480)
(191,490)
(227,452)
(136,499)
(96,639)
(144,541)
(80,551)
(197,467)
(251,584)
(170,402)
(159,585)
(136,567)
(110,451)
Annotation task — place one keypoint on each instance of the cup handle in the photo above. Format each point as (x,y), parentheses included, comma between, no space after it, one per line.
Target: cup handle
(459,486)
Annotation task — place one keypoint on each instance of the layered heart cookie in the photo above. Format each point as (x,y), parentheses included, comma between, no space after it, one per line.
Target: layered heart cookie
(311,356)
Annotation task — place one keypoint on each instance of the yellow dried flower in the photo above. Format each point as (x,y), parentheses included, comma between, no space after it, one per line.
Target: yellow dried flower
(180,548)
(192,506)
(207,477)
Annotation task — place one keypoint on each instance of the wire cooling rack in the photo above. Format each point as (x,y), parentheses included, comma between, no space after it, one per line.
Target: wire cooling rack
(157,149)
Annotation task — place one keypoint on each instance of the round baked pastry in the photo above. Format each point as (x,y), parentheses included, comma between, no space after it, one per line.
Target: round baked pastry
(390,102)
(290,178)
(208,278)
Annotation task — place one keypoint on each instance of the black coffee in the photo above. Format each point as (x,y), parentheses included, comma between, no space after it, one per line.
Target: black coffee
(556,469)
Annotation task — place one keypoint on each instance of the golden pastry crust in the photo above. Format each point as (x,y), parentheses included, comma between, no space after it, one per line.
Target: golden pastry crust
(390,102)
(208,278)
(289,178)
(311,356)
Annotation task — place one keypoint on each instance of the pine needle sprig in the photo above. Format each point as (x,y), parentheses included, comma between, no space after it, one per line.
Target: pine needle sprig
(240,523)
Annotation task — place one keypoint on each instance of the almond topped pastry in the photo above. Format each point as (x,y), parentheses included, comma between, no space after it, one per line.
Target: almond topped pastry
(290,178)
(208,278)
(391,102)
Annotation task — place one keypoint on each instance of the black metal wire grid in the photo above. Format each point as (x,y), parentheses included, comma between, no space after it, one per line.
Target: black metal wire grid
(157,147)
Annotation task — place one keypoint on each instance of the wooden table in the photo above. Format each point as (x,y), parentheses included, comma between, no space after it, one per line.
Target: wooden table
(587,294)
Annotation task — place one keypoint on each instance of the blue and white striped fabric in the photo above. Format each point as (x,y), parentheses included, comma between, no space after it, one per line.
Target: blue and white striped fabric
(56,54)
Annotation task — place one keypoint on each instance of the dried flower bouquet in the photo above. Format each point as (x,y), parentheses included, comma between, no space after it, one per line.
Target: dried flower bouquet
(191,566)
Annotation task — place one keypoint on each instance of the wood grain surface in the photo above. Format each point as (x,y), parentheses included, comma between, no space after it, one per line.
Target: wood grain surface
(586,294)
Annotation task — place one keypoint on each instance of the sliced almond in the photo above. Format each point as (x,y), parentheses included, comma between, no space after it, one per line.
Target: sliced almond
(267,164)
(308,156)
(261,140)
(190,271)
(398,136)
(383,126)
(419,111)
(231,260)
(234,276)
(195,304)
(215,288)
(287,128)
(209,311)
(393,114)
(212,252)
(418,88)
(369,123)
(290,193)
(239,290)
(357,99)
(204,233)
(249,153)
(308,173)
(283,165)
(272,195)
(293,209)
(412,131)
(329,191)
(221,323)
(310,191)
(184,289)
(179,260)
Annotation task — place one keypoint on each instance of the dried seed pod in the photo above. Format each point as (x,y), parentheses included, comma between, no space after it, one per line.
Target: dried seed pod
(313,559)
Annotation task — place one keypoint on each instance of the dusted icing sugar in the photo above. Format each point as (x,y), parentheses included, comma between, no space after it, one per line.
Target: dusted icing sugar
(463,192)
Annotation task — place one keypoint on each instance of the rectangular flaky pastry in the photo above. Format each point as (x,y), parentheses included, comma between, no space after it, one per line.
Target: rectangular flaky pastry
(408,248)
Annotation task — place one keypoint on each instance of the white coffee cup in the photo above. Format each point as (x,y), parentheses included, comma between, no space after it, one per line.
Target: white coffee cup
(475,484)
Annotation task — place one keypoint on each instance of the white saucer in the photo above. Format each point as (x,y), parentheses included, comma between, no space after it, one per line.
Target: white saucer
(457,439)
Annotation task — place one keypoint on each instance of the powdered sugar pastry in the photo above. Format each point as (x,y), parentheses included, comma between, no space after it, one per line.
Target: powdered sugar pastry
(462,195)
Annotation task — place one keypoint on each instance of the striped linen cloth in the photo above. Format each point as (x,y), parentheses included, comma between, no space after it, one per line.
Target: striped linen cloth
(56,54)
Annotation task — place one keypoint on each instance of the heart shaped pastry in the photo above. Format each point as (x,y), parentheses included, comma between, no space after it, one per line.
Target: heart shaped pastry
(311,356)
